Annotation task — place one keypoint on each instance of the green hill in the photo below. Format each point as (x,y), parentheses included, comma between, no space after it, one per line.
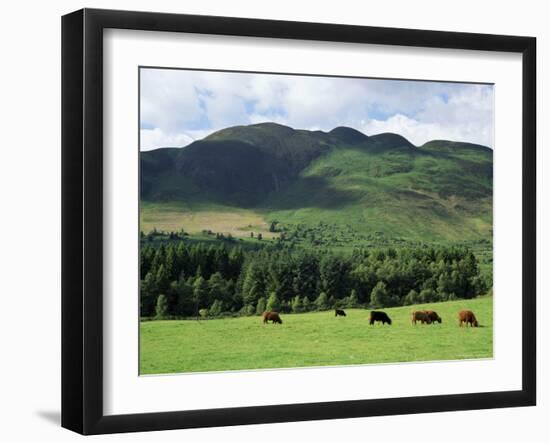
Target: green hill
(356,184)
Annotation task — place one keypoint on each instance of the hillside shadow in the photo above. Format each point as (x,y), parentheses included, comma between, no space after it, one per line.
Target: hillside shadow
(299,193)
(310,192)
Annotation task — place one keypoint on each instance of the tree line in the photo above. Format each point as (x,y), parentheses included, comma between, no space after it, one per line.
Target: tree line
(180,279)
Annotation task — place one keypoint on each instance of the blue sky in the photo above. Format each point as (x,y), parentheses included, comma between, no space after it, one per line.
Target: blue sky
(180,106)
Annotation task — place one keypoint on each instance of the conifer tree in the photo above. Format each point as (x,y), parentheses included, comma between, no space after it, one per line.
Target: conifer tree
(261,306)
(162,307)
(273,302)
(321,303)
(297,305)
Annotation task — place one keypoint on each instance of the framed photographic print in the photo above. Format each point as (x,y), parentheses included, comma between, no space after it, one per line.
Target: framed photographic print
(269,221)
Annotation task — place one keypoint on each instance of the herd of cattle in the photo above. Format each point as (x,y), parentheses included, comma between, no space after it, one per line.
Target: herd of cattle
(465,317)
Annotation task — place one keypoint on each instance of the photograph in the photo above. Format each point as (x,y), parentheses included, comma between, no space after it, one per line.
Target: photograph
(275,222)
(292,220)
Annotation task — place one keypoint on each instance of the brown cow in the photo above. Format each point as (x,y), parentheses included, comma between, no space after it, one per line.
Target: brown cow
(421,316)
(466,316)
(273,316)
(433,316)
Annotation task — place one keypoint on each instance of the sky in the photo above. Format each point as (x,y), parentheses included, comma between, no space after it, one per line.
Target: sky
(180,106)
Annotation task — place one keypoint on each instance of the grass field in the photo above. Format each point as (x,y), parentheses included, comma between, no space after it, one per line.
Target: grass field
(313,339)
(196,218)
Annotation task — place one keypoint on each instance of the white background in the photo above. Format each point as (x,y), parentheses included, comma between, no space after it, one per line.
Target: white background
(30,222)
(127,393)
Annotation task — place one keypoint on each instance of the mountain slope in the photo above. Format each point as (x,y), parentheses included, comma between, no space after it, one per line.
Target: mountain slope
(239,164)
(382,183)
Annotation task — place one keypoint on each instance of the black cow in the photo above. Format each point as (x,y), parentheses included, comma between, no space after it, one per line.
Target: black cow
(379,316)
(340,312)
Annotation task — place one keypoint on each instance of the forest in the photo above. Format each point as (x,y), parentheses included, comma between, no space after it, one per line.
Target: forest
(184,279)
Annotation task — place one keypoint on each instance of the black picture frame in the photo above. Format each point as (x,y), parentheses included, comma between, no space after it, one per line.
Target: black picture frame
(82,218)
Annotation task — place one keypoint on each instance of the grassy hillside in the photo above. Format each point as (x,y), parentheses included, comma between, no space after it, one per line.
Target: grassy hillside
(313,339)
(413,195)
(441,191)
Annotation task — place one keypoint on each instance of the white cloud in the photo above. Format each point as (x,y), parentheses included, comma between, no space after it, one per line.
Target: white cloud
(414,131)
(157,138)
(180,106)
(418,132)
(167,101)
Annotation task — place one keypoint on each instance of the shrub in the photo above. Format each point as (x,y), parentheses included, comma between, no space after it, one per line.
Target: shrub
(162,306)
(322,302)
(411,298)
(379,295)
(353,300)
(204,312)
(216,309)
(427,296)
(480,285)
(297,305)
(273,302)
(306,304)
(260,306)
(248,310)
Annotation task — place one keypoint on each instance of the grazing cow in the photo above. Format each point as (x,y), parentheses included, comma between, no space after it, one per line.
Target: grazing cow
(421,316)
(466,316)
(273,316)
(379,316)
(340,312)
(433,316)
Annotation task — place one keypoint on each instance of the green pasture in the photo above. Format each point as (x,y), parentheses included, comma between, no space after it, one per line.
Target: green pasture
(314,339)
